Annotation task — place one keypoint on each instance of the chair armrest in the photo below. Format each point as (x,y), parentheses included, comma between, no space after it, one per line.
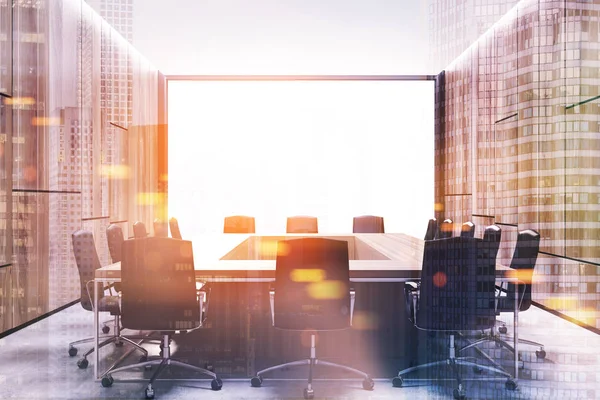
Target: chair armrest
(411,300)
(352,299)
(203,296)
(272,302)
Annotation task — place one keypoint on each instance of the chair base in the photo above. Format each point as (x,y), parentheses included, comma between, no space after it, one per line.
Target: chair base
(505,342)
(309,392)
(117,339)
(162,361)
(454,363)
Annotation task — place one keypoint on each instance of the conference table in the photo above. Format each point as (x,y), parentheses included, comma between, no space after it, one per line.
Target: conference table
(229,259)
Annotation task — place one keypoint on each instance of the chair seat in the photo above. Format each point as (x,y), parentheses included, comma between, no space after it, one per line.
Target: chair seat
(109,304)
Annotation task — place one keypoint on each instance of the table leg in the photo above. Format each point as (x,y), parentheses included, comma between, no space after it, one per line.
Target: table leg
(96,323)
(516,332)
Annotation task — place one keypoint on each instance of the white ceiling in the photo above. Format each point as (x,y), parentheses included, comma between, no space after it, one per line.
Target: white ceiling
(283,36)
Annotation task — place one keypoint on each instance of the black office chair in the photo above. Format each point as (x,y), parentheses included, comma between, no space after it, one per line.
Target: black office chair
(524,259)
(302,224)
(445,230)
(456,293)
(292,306)
(432,228)
(159,294)
(139,230)
(161,229)
(87,261)
(368,224)
(114,237)
(174,226)
(467,229)
(238,224)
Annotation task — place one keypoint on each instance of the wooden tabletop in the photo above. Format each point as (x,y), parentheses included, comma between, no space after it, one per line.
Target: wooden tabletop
(242,257)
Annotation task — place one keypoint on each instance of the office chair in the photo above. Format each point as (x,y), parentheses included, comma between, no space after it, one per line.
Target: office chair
(87,261)
(432,228)
(524,259)
(445,229)
(114,237)
(467,229)
(302,224)
(139,230)
(368,224)
(159,294)
(238,224)
(456,293)
(174,226)
(292,306)
(161,228)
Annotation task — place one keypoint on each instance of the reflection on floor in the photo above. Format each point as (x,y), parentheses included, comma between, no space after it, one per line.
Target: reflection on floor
(34,364)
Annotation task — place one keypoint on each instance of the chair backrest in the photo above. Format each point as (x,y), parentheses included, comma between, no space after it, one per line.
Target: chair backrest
(174,226)
(158,285)
(139,230)
(161,228)
(115,239)
(87,262)
(457,286)
(239,224)
(524,259)
(312,284)
(368,224)
(467,229)
(302,224)
(432,228)
(491,239)
(445,229)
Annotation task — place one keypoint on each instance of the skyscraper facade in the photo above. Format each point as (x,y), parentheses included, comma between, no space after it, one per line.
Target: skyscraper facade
(517,143)
(118,14)
(455,24)
(67,110)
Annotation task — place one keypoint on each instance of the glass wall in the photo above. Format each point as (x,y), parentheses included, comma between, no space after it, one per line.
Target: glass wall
(520,138)
(76,90)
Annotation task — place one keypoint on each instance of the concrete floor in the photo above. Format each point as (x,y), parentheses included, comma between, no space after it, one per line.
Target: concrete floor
(34,364)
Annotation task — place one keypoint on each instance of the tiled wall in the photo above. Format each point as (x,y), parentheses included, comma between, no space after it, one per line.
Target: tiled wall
(518,144)
(79,129)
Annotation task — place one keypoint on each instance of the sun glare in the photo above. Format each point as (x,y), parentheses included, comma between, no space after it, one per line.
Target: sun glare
(333,150)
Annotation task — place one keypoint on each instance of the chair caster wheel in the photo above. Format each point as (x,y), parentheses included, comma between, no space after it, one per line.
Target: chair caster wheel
(540,354)
(105,329)
(216,384)
(511,384)
(503,329)
(107,381)
(72,351)
(309,394)
(459,393)
(256,381)
(397,381)
(368,383)
(477,369)
(149,392)
(83,363)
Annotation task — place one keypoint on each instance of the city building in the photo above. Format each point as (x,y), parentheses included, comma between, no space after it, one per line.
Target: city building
(455,24)
(517,143)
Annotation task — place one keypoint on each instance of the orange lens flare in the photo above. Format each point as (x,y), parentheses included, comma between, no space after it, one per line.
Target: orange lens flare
(327,290)
(115,171)
(43,121)
(307,275)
